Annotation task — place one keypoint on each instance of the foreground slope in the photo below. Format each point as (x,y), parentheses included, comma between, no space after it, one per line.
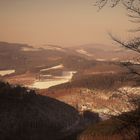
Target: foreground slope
(123,127)
(27,116)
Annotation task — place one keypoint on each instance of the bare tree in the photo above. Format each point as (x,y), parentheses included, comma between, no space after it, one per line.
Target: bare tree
(133,9)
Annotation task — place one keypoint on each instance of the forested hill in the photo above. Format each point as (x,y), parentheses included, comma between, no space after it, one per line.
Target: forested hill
(24,115)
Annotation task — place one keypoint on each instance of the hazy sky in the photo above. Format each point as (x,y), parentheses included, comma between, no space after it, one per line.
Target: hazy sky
(62,22)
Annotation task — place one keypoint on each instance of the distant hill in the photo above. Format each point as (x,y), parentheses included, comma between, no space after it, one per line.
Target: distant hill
(103,52)
(23,57)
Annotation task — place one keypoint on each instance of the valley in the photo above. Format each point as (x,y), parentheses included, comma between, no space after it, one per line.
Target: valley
(69,70)
(87,81)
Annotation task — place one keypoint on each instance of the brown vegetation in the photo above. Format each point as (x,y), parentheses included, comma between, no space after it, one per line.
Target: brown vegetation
(25,115)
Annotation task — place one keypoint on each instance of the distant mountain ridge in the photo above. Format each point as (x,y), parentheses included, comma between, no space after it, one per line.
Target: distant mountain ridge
(23,57)
(101,51)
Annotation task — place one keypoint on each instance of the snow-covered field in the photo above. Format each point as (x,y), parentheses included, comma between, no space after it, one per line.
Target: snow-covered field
(104,72)
(26,49)
(100,59)
(55,67)
(54,48)
(6,72)
(115,59)
(82,51)
(56,80)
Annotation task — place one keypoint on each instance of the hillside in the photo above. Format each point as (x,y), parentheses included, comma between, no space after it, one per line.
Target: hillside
(29,58)
(65,82)
(105,89)
(123,127)
(25,115)
(101,52)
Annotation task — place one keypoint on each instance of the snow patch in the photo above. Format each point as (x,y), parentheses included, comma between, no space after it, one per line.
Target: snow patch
(115,59)
(6,72)
(56,80)
(26,49)
(100,59)
(54,67)
(82,51)
(54,48)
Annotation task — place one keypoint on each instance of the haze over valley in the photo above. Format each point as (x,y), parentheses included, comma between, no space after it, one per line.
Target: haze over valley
(70,70)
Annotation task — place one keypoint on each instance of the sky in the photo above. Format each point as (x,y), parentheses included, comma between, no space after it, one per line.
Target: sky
(61,22)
